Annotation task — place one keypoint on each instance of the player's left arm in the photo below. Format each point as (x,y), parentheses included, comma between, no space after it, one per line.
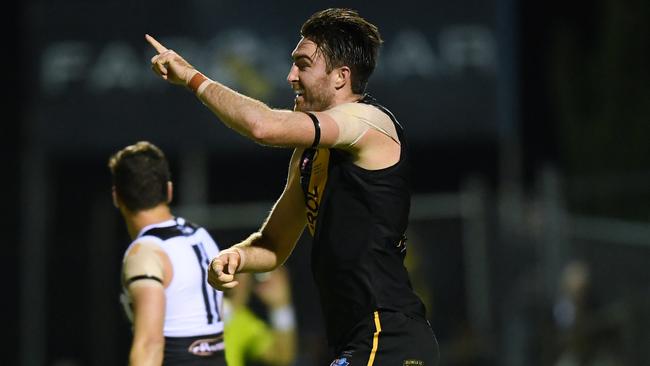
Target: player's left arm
(268,248)
(145,272)
(148,320)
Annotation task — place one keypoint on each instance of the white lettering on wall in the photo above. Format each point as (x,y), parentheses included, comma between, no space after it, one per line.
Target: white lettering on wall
(64,63)
(468,47)
(116,68)
(256,65)
(410,54)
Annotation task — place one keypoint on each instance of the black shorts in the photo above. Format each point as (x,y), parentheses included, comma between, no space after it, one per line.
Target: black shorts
(389,339)
(204,350)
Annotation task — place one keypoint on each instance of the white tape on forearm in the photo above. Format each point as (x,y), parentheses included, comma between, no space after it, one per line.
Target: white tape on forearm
(204,85)
(283,319)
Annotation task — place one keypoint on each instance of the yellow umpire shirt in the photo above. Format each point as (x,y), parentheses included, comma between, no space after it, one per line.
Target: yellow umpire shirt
(247,337)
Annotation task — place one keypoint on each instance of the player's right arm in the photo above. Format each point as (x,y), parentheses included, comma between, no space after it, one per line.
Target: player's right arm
(268,248)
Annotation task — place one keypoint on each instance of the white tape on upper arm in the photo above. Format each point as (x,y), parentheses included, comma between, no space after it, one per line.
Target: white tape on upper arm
(355,119)
(143,259)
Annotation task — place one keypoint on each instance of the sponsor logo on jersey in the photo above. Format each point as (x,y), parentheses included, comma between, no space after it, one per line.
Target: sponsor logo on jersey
(413,363)
(347,354)
(206,347)
(340,362)
(317,180)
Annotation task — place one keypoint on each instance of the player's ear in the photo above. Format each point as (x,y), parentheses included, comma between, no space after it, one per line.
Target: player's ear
(342,77)
(170,192)
(116,202)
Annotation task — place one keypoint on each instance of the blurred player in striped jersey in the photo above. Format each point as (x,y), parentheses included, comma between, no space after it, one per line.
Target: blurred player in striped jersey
(176,316)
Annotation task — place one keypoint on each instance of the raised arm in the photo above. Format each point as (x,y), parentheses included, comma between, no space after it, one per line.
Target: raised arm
(268,248)
(248,116)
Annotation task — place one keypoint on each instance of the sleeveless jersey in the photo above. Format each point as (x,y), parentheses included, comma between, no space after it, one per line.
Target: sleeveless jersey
(358,219)
(193,307)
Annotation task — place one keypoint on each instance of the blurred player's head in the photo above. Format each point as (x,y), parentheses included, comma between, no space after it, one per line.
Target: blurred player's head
(141,176)
(338,50)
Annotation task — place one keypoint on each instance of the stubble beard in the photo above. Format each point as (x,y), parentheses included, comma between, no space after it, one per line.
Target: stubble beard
(316,100)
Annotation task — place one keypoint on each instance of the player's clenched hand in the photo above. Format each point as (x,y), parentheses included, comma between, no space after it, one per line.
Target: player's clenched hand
(170,65)
(221,273)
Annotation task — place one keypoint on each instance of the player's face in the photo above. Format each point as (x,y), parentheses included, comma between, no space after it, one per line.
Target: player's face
(309,78)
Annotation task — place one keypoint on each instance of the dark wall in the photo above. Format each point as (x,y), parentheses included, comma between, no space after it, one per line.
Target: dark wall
(80,88)
(92,87)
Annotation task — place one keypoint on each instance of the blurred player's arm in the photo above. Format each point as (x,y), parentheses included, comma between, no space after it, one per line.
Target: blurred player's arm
(275,293)
(268,248)
(247,116)
(145,274)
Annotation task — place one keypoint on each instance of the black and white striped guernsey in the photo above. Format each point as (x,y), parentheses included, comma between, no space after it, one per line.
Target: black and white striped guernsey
(193,307)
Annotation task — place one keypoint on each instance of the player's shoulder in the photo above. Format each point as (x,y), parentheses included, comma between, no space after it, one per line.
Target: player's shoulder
(359,112)
(355,108)
(178,227)
(143,245)
(358,116)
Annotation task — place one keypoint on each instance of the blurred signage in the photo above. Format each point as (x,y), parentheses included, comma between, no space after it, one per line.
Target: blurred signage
(436,72)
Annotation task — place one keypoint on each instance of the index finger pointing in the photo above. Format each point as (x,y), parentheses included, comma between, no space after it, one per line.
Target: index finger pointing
(157,45)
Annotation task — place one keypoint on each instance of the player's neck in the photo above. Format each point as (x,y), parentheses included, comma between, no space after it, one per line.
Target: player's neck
(348,97)
(140,219)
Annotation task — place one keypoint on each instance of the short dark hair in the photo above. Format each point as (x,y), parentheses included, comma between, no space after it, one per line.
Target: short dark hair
(140,175)
(345,39)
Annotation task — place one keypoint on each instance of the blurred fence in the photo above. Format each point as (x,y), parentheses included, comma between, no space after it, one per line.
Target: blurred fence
(493,286)
(490,266)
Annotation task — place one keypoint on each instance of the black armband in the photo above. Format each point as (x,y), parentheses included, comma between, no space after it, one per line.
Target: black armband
(317,128)
(142,277)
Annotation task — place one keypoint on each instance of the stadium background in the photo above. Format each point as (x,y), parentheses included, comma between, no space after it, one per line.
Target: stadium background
(529,126)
